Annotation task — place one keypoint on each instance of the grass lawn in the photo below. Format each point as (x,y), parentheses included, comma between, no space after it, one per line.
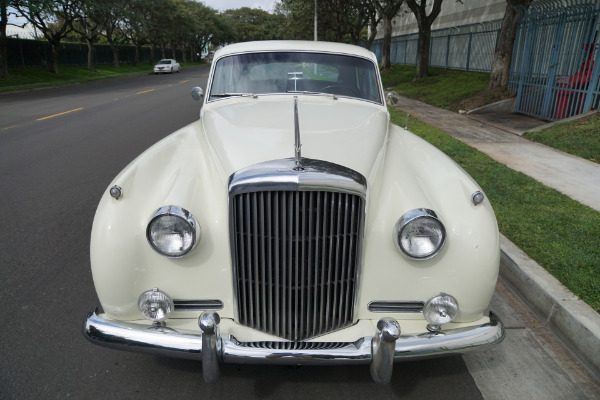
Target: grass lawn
(580,137)
(556,231)
(34,77)
(443,88)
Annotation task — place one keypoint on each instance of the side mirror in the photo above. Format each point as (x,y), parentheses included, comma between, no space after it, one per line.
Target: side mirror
(197,93)
(393,97)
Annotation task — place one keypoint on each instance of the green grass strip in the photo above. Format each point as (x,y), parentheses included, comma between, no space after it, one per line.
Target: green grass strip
(580,137)
(559,233)
(441,89)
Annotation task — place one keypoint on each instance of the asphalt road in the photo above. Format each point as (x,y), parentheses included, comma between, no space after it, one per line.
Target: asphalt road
(59,149)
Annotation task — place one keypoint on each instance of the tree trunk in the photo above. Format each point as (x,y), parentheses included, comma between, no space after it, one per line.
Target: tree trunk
(423,53)
(183,55)
(152,50)
(386,62)
(136,60)
(90,56)
(115,51)
(373,33)
(499,76)
(54,63)
(387,11)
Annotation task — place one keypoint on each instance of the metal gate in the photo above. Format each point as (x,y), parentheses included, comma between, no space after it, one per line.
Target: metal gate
(556,63)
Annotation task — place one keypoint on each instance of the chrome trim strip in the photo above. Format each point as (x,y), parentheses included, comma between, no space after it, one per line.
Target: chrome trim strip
(188,344)
(198,305)
(281,175)
(396,306)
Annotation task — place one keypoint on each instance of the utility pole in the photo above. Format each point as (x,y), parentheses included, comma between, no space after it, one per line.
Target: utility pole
(315,20)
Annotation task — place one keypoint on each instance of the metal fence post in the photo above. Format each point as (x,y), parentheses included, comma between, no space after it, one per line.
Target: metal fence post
(551,77)
(594,87)
(469,51)
(448,49)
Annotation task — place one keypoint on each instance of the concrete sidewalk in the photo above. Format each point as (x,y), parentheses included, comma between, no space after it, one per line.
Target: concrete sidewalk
(497,134)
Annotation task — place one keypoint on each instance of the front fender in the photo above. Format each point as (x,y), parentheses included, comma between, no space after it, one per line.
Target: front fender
(179,170)
(417,175)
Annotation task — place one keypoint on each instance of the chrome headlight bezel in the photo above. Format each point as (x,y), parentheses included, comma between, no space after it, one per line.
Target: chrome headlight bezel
(408,224)
(189,225)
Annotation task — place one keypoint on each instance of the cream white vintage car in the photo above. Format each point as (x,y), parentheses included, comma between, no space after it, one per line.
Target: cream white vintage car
(294,224)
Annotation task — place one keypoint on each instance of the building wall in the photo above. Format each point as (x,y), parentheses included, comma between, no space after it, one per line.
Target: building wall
(453,14)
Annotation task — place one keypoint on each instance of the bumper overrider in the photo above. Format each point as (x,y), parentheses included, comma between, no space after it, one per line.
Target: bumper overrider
(385,347)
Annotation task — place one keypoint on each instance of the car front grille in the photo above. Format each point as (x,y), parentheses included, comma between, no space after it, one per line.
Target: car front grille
(295,260)
(295,345)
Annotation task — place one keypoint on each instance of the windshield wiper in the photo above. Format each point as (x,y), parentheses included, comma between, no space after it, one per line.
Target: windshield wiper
(233,95)
(317,93)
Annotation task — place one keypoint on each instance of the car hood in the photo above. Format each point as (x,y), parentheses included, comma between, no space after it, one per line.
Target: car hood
(246,131)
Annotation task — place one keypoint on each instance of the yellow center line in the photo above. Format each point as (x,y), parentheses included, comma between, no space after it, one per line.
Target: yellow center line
(146,91)
(184,81)
(8,127)
(62,113)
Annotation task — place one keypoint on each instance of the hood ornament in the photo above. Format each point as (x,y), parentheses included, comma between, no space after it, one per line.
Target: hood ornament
(298,166)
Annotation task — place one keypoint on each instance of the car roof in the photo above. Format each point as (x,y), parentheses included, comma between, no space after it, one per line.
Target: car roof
(295,45)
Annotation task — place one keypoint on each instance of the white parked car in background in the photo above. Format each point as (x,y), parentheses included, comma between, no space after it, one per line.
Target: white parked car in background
(166,65)
(293,224)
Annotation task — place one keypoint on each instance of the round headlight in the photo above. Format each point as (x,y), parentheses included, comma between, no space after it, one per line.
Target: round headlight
(173,231)
(419,234)
(155,305)
(440,310)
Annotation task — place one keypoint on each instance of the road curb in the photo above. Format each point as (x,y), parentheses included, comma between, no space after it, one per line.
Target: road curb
(572,320)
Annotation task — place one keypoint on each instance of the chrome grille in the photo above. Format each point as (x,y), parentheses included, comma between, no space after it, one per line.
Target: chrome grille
(295,260)
(296,345)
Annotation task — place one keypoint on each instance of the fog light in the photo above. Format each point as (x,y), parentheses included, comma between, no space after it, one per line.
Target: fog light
(440,310)
(155,305)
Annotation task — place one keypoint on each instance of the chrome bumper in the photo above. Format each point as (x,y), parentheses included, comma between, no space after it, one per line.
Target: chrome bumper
(381,351)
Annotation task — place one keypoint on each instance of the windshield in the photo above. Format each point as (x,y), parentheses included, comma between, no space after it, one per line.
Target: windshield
(164,62)
(267,73)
